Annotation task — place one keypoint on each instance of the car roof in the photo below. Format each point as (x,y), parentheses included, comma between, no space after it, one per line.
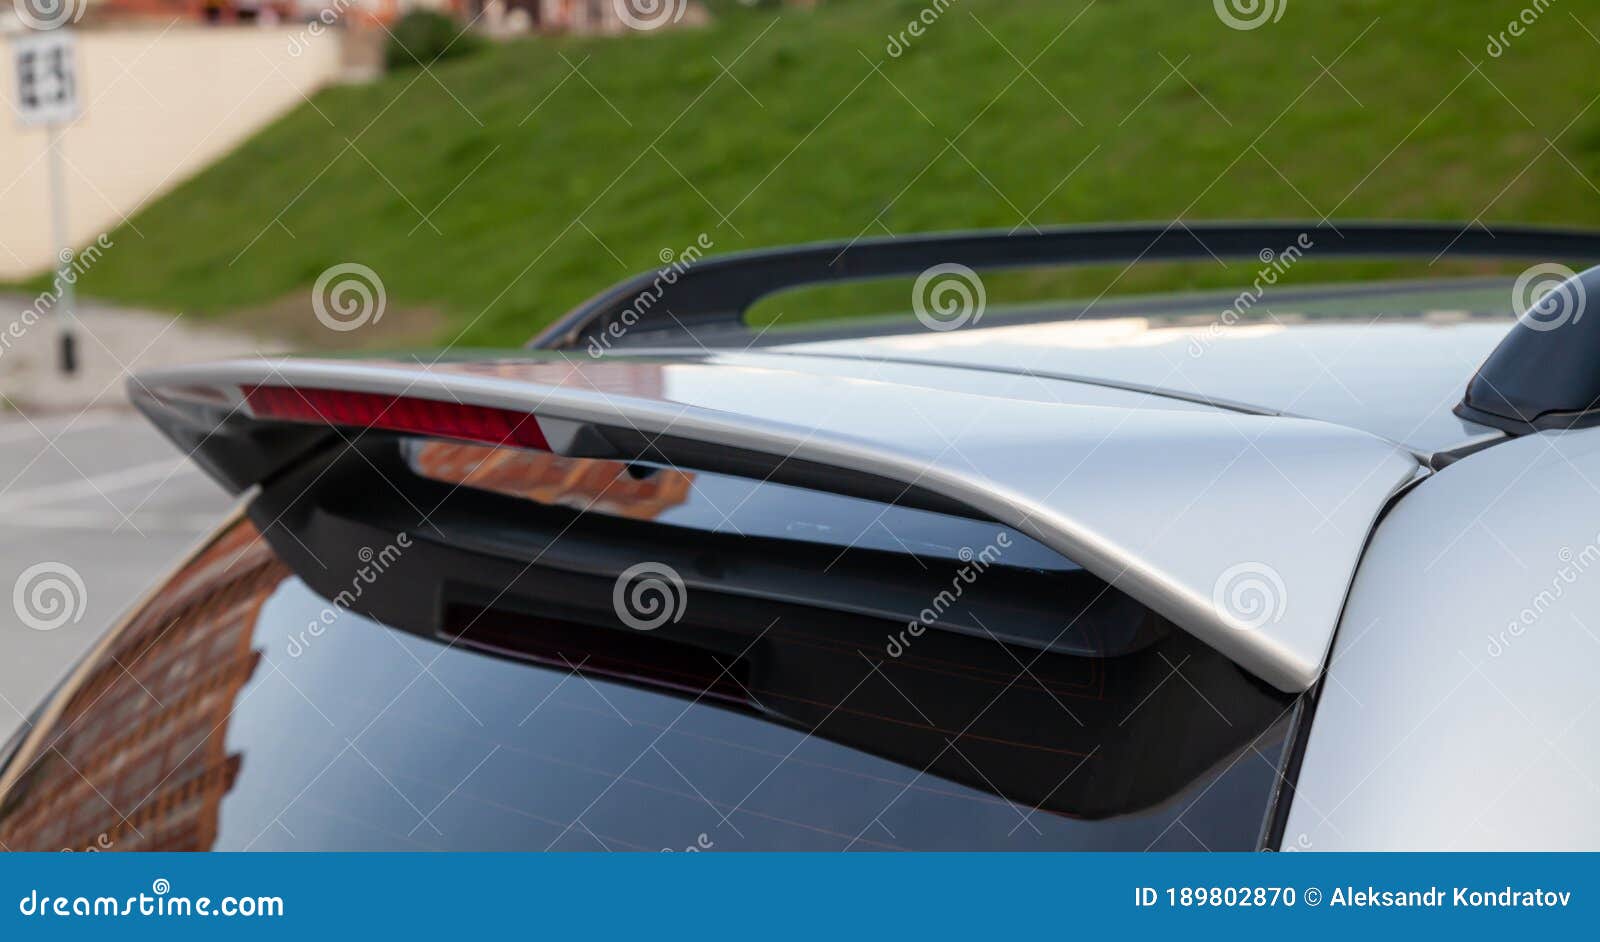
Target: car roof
(1396,378)
(1403,384)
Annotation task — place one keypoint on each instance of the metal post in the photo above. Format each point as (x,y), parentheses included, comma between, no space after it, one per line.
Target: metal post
(66,304)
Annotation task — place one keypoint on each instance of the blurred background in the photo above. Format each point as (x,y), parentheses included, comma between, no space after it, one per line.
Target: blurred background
(484,166)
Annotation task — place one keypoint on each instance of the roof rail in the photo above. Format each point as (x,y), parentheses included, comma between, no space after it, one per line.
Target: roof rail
(720,290)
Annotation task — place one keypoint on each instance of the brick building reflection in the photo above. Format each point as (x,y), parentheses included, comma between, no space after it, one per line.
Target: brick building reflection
(579,483)
(141,762)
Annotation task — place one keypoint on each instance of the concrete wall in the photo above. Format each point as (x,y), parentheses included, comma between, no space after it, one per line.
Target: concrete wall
(159,104)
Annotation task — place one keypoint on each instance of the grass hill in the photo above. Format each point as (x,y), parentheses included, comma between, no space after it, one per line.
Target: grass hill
(504,187)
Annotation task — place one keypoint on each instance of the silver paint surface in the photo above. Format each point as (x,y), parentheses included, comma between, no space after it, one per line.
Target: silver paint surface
(1460,710)
(1397,378)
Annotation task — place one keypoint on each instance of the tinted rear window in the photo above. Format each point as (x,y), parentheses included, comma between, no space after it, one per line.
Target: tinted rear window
(219,718)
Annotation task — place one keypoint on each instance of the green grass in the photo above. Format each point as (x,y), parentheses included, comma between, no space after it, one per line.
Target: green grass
(570,183)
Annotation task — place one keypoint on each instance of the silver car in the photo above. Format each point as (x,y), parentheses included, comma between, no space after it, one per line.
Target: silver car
(1284,567)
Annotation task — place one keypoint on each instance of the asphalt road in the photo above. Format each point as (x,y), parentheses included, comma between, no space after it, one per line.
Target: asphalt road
(102,496)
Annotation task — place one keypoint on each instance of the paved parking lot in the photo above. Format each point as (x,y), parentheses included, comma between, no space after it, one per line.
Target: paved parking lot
(100,495)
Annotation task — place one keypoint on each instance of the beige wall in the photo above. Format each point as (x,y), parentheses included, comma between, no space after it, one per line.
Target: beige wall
(158,106)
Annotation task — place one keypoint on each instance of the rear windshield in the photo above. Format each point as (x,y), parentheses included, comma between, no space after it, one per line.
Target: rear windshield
(243,709)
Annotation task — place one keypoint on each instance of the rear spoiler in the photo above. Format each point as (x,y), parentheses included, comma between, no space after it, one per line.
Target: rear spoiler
(1244,530)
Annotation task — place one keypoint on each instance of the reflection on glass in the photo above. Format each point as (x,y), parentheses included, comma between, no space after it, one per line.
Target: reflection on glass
(214,720)
(135,759)
(580,483)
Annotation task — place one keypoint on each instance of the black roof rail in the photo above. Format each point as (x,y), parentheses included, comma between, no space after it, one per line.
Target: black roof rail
(719,290)
(1545,374)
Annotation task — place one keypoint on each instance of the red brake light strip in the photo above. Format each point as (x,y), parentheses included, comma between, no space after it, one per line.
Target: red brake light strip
(486,424)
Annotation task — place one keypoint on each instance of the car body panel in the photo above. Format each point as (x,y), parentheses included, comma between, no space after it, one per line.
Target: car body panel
(1459,709)
(959,377)
(1397,378)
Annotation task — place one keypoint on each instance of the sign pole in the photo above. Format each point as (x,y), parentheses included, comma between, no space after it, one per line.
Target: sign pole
(67,304)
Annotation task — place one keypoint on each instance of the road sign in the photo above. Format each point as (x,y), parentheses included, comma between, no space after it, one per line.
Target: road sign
(46,77)
(47,96)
